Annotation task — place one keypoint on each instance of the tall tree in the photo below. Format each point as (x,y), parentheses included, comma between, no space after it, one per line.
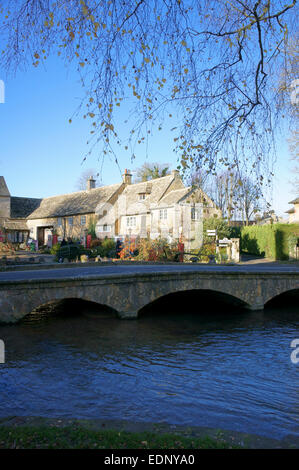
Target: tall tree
(294,151)
(150,171)
(211,66)
(247,199)
(200,179)
(237,195)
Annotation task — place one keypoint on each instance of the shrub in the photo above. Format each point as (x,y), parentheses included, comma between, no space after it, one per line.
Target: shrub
(45,249)
(156,250)
(6,247)
(207,250)
(129,248)
(222,227)
(144,248)
(55,248)
(95,243)
(107,248)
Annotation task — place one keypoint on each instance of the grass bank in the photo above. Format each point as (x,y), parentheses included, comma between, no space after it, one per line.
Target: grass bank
(77,437)
(52,433)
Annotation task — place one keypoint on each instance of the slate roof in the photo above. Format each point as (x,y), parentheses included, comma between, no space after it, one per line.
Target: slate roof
(22,207)
(81,202)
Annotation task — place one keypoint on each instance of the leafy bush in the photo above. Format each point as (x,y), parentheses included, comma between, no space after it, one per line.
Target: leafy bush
(55,248)
(208,249)
(97,251)
(6,247)
(95,243)
(156,250)
(129,248)
(45,249)
(109,248)
(222,227)
(144,248)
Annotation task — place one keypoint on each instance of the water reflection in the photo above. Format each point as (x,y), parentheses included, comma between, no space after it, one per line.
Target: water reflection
(226,368)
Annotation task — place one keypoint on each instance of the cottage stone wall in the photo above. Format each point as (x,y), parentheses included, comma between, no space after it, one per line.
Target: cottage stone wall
(66,230)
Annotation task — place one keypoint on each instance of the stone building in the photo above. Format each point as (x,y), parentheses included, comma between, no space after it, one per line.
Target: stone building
(13,214)
(294,211)
(162,207)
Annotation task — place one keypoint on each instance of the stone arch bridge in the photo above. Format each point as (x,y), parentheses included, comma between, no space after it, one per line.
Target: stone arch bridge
(128,293)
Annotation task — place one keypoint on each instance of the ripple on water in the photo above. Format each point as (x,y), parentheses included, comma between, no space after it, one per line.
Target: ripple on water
(231,371)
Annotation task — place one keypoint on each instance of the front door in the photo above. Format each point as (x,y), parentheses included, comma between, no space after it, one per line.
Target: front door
(40,236)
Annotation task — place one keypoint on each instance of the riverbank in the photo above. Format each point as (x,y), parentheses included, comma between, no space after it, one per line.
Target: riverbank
(54,433)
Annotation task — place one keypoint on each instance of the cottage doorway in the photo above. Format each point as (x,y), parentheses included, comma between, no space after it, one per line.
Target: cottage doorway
(40,236)
(43,235)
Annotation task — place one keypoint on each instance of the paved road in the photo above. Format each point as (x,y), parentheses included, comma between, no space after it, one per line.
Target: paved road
(94,271)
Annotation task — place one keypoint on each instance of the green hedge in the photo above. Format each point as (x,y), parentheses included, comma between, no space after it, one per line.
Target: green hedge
(271,241)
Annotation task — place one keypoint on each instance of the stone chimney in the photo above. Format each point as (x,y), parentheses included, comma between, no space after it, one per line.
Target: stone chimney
(91,183)
(175,173)
(127,177)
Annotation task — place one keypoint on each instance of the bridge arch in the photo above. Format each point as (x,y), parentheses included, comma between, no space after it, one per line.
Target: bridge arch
(287,297)
(208,300)
(60,304)
(74,306)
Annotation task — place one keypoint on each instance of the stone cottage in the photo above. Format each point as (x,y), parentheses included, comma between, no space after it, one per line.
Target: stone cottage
(160,207)
(163,207)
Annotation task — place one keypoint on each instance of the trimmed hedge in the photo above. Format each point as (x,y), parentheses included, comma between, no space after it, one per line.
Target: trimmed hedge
(270,241)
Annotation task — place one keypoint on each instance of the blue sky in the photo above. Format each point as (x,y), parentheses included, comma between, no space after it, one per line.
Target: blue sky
(41,153)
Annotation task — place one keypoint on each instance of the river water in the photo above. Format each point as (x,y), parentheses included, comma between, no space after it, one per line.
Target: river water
(229,370)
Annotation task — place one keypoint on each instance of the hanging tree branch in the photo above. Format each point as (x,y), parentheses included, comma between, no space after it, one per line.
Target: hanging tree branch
(211,66)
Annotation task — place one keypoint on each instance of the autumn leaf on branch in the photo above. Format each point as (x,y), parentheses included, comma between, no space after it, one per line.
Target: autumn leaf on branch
(219,69)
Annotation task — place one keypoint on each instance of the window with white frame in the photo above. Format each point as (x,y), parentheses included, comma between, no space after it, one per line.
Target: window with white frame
(163,214)
(131,221)
(59,221)
(141,196)
(105,228)
(83,220)
(71,221)
(194,213)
